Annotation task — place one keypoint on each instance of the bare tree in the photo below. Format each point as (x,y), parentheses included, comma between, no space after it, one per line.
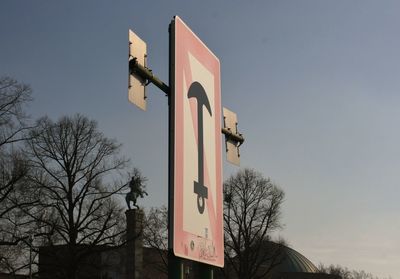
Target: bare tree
(341,272)
(345,273)
(74,169)
(155,235)
(13,170)
(252,213)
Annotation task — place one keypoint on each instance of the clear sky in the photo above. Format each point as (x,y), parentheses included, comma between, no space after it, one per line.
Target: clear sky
(315,85)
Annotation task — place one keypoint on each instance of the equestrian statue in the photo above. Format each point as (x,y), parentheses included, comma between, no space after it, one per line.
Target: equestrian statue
(138,189)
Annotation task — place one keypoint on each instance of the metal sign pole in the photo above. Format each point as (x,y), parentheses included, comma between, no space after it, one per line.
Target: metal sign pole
(175,265)
(206,271)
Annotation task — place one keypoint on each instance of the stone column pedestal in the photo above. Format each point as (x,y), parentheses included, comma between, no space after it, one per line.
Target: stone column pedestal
(134,245)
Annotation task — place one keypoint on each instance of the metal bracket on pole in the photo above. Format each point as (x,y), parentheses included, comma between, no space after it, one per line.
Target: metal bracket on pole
(147,74)
(233,139)
(229,135)
(136,84)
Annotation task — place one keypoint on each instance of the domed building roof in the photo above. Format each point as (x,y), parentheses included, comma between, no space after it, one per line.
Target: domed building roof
(282,262)
(288,259)
(293,261)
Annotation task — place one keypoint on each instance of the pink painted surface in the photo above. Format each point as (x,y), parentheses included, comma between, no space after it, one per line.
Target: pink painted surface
(208,249)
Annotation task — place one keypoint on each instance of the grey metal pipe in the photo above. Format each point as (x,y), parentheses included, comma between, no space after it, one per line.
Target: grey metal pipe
(145,73)
(235,137)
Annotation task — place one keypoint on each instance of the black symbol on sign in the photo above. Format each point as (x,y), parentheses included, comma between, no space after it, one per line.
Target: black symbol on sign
(197,91)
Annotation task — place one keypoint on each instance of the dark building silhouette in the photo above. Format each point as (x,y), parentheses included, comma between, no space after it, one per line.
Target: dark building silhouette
(106,263)
(12,276)
(133,261)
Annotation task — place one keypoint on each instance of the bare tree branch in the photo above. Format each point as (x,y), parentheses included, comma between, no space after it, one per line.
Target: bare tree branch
(155,235)
(251,215)
(14,192)
(73,167)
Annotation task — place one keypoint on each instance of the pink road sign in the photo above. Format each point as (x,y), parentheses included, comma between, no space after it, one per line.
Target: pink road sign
(197,162)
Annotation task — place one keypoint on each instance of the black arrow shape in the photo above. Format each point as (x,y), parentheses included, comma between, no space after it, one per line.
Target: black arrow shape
(197,91)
